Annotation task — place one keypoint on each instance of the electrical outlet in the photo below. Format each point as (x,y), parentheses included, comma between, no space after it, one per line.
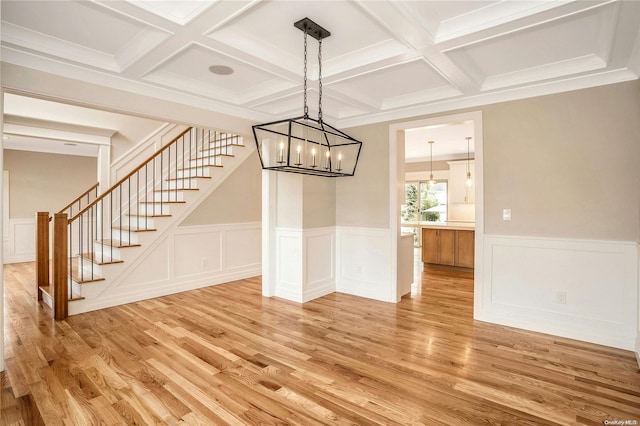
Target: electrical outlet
(561,297)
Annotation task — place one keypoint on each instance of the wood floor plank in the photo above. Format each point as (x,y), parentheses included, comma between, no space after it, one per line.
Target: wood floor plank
(226,355)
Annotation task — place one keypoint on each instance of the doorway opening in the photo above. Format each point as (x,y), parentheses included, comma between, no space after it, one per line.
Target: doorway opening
(436,194)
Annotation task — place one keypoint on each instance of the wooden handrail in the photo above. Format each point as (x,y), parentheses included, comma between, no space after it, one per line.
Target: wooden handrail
(79,197)
(127,176)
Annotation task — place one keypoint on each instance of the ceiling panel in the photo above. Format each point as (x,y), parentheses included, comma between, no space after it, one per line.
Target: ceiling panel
(275,38)
(90,34)
(562,47)
(180,12)
(192,65)
(292,105)
(384,60)
(92,26)
(393,82)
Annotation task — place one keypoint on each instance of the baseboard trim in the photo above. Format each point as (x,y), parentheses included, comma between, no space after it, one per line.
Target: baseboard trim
(19,259)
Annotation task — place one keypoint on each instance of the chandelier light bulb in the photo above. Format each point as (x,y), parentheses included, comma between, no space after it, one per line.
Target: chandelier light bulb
(281,153)
(298,162)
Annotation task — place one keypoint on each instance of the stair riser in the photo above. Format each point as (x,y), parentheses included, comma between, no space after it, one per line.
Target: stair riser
(182,184)
(170,196)
(112,252)
(154,209)
(217,149)
(206,161)
(126,236)
(205,171)
(137,222)
(47,300)
(86,267)
(76,289)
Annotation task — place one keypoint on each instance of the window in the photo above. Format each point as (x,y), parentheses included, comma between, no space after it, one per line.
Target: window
(423,203)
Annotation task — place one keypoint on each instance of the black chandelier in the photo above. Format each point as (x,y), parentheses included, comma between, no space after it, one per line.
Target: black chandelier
(303,144)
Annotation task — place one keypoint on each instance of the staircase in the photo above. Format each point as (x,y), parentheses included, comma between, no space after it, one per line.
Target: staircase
(99,237)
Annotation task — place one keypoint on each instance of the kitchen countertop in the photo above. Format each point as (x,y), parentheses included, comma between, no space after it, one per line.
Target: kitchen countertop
(461,226)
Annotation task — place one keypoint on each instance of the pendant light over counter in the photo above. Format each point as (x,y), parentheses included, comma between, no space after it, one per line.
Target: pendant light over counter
(431,180)
(303,144)
(469,181)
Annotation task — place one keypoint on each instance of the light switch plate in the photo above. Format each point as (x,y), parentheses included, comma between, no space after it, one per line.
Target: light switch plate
(506,214)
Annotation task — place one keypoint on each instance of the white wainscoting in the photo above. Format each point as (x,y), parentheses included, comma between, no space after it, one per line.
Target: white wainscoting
(20,244)
(638,332)
(364,263)
(305,268)
(524,279)
(189,258)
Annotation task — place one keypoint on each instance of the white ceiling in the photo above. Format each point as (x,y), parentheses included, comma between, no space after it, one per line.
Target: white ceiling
(384,59)
(32,124)
(449,142)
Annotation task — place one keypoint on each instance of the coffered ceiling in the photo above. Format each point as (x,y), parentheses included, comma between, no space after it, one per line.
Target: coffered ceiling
(384,59)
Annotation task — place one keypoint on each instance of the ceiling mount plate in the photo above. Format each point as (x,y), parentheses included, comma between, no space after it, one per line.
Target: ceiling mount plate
(313,29)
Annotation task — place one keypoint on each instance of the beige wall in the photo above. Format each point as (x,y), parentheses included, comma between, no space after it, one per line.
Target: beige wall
(288,199)
(567,165)
(236,200)
(363,199)
(319,202)
(304,202)
(45,182)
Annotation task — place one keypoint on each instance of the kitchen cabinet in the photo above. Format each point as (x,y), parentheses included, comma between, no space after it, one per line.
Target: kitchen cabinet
(448,247)
(465,248)
(438,246)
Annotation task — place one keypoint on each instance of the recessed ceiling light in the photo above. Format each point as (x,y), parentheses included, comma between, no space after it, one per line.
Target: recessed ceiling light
(221,69)
(71,144)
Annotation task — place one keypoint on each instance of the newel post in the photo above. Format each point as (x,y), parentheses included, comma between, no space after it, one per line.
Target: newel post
(42,252)
(60,266)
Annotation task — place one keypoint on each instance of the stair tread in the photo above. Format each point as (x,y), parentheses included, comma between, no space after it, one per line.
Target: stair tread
(231,144)
(199,167)
(149,215)
(132,229)
(99,259)
(179,189)
(220,154)
(189,177)
(162,202)
(117,243)
(86,278)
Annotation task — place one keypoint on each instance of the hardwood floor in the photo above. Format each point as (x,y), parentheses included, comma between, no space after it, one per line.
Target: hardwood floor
(226,355)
